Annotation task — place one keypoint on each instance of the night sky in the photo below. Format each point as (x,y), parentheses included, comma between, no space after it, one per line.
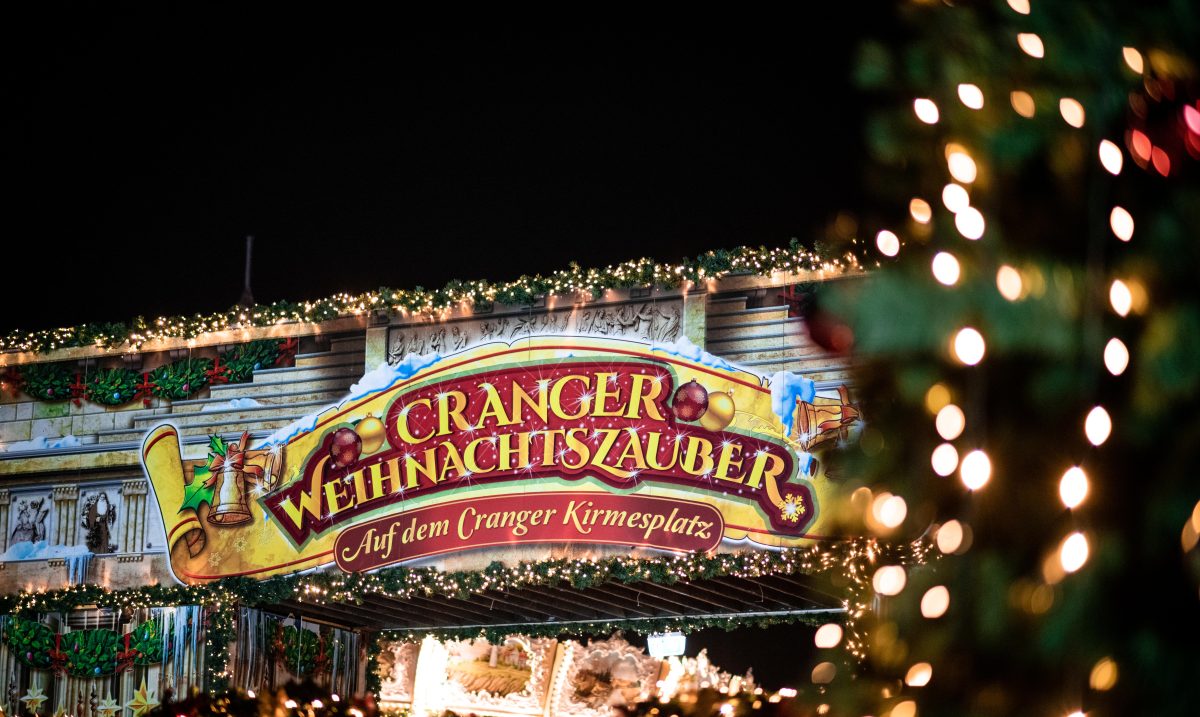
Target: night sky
(363,151)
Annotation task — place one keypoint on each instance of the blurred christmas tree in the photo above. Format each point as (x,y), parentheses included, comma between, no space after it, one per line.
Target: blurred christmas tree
(1031,358)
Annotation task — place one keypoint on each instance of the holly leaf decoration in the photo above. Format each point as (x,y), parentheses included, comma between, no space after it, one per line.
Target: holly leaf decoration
(216,444)
(196,493)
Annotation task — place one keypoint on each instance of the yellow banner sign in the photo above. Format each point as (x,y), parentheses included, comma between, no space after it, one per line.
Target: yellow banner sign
(551,441)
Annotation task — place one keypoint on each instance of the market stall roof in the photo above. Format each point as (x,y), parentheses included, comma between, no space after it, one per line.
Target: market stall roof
(719,597)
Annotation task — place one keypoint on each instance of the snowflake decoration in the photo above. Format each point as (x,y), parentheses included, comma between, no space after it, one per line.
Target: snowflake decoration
(214,558)
(240,544)
(793,508)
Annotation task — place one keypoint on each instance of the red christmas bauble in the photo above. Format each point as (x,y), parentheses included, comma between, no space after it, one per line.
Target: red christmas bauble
(690,401)
(345,447)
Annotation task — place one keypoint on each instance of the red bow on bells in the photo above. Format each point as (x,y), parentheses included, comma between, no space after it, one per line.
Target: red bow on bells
(235,457)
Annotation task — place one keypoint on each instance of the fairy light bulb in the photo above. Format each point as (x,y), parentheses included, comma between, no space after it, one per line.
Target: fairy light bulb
(971,96)
(1074,552)
(969,346)
(944,459)
(888,243)
(955,197)
(969,222)
(1121,297)
(1031,45)
(975,470)
(946,268)
(935,602)
(1110,157)
(1097,426)
(926,110)
(1073,487)
(1116,356)
(1121,222)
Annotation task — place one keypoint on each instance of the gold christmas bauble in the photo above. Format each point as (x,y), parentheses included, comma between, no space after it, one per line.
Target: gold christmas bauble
(370,430)
(719,413)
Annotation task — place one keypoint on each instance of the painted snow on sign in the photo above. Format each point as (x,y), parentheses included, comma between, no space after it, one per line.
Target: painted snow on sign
(786,389)
(684,348)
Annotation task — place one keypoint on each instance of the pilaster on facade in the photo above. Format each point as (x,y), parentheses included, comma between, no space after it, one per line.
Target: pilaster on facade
(66,513)
(133,531)
(5,501)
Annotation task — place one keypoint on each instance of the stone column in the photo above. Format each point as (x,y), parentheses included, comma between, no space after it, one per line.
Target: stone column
(5,501)
(66,513)
(133,531)
(376,351)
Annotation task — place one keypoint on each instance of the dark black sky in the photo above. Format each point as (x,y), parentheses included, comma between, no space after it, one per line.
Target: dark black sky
(363,150)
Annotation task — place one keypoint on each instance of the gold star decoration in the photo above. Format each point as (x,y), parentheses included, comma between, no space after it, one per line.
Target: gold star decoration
(34,698)
(142,701)
(108,707)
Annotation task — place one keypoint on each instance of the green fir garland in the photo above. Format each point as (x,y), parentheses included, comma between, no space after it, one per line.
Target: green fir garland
(244,360)
(178,380)
(112,386)
(49,382)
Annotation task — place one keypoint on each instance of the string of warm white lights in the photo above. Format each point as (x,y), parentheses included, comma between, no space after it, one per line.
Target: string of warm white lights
(968,346)
(575,281)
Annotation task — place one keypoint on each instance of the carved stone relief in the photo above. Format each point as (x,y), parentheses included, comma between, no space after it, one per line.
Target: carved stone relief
(651,321)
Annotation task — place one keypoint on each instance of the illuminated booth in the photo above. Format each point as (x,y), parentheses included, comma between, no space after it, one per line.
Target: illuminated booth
(457,502)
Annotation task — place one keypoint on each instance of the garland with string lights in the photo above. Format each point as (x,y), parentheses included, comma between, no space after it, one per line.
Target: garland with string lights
(850,558)
(575,280)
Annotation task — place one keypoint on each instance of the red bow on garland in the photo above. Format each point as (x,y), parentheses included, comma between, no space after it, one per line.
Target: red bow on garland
(218,373)
(126,657)
(144,390)
(78,389)
(235,457)
(58,658)
(287,352)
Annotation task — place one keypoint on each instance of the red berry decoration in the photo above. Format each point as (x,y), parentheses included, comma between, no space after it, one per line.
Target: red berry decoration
(690,402)
(345,447)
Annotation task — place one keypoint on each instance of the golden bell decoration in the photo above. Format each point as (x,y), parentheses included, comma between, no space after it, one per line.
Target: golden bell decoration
(720,411)
(825,419)
(229,506)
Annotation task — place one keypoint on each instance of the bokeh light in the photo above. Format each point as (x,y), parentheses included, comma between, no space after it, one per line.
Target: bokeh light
(1110,157)
(1073,487)
(1097,426)
(969,346)
(1022,103)
(950,536)
(828,635)
(889,580)
(920,210)
(1072,112)
(975,470)
(955,197)
(1133,59)
(1121,298)
(888,243)
(969,222)
(1121,222)
(946,268)
(1116,356)
(935,602)
(919,675)
(1031,44)
(944,459)
(1009,282)
(971,96)
(1074,552)
(1104,675)
(950,422)
(926,110)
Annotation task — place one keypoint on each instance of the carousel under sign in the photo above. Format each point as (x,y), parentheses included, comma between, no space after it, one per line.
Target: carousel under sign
(551,440)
